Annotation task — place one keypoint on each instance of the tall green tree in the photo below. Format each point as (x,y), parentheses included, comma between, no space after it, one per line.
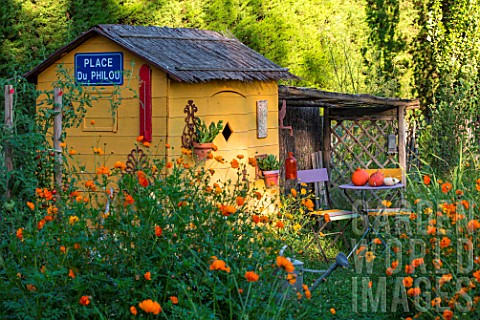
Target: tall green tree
(447,78)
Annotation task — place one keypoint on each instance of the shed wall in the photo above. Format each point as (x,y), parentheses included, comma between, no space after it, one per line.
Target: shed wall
(235,103)
(116,135)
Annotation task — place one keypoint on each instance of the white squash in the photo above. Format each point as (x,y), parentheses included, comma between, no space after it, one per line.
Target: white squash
(390,181)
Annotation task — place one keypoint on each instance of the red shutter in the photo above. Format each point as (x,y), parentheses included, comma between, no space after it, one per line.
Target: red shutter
(146,103)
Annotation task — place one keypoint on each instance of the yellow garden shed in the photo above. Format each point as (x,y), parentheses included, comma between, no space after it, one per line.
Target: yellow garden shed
(174,74)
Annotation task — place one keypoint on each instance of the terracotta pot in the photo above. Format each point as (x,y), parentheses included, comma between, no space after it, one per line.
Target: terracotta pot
(201,150)
(271,177)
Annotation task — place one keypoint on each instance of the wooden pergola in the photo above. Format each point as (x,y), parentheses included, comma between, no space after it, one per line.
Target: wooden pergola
(355,129)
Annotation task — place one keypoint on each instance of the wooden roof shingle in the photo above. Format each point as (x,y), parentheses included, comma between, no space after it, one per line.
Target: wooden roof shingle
(187,55)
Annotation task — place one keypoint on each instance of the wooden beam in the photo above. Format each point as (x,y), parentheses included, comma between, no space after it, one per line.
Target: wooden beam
(326,139)
(290,93)
(9,91)
(402,140)
(57,135)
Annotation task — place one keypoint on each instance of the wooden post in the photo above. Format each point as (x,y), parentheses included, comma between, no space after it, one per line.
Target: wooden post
(57,135)
(8,128)
(326,139)
(402,151)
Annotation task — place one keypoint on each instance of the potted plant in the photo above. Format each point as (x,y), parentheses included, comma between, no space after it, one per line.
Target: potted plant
(269,165)
(204,135)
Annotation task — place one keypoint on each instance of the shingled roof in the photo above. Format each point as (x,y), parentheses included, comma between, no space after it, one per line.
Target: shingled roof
(187,55)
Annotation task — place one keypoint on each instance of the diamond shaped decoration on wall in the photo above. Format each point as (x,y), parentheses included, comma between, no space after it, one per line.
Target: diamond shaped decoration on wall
(227,131)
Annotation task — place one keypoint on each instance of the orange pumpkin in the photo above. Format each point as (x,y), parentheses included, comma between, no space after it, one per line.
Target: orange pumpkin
(360,177)
(376,179)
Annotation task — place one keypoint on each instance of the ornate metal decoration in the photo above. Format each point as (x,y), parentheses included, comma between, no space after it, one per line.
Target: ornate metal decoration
(189,131)
(136,161)
(281,115)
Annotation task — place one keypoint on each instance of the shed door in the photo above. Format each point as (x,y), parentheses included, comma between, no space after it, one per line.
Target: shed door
(146,103)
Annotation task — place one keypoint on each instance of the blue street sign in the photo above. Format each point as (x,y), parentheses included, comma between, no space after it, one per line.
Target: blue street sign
(99,68)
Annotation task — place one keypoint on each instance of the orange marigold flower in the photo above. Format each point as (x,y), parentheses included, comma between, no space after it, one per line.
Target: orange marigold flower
(119,165)
(240,156)
(31,287)
(251,276)
(220,159)
(214,147)
(89,184)
(446,187)
(234,163)
(412,292)
(291,278)
(158,231)
(227,210)
(473,225)
(252,161)
(431,230)
(308,294)
(98,151)
(40,224)
(436,301)
(476,274)
(258,195)
(142,179)
(30,205)
(417,262)
(409,269)
(333,311)
(445,278)
(389,271)
(150,306)
(326,217)
(148,275)
(285,264)
(71,274)
(63,144)
(19,233)
(167,145)
(280,224)
(387,203)
(169,165)
(309,204)
(394,264)
(263,219)
(407,282)
(84,300)
(369,256)
(240,201)
(139,139)
(63,249)
(103,170)
(133,310)
(426,180)
(293,192)
(445,242)
(377,241)
(72,152)
(174,299)
(146,144)
(465,204)
(437,263)
(128,200)
(256,218)
(447,314)
(92,122)
(219,265)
